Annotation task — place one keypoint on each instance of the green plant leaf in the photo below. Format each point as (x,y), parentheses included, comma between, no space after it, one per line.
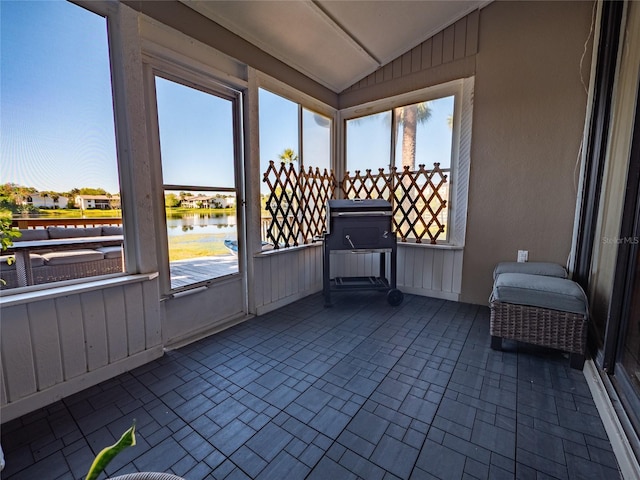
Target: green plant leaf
(128,439)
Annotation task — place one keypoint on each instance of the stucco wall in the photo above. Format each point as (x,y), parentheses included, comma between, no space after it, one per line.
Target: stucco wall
(529,109)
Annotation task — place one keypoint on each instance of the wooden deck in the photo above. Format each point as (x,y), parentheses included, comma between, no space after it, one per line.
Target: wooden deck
(187,272)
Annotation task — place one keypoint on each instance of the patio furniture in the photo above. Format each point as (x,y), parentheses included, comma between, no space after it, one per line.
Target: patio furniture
(544,310)
(56,253)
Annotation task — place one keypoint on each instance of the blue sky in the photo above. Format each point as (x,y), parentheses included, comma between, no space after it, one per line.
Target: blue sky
(57,115)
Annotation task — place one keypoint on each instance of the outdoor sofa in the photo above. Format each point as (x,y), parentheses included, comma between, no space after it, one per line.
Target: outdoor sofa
(56,265)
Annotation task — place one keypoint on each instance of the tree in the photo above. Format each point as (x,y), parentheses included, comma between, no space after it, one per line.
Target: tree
(410,117)
(288,155)
(171,200)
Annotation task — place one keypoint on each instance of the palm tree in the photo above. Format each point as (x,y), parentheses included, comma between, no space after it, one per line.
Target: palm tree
(288,156)
(410,116)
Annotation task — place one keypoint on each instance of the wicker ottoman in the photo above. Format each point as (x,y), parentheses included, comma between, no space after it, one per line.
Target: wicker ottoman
(541,310)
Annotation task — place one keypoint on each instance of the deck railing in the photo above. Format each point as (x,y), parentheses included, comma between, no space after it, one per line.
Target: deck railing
(45,222)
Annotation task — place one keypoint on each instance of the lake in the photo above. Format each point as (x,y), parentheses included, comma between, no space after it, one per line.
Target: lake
(202,223)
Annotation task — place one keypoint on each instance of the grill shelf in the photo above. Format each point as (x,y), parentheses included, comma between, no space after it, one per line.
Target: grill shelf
(360,226)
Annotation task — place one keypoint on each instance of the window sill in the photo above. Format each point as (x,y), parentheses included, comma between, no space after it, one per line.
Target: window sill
(287,249)
(23,295)
(437,246)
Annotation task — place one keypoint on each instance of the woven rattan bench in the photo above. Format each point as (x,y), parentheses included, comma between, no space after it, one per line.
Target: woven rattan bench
(542,310)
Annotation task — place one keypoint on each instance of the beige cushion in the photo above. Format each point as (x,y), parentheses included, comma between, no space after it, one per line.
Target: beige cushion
(36,261)
(111,252)
(65,257)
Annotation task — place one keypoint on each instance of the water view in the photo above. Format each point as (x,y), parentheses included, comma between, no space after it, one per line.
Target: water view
(202,223)
(193,235)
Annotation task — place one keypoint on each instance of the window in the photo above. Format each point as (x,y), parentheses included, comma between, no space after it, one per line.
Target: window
(415,143)
(197,145)
(296,185)
(58,143)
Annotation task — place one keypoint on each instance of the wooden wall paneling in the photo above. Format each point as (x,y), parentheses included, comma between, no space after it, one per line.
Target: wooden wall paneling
(135,318)
(290,271)
(416,59)
(448,39)
(401,260)
(72,336)
(273,277)
(388,72)
(418,263)
(427,269)
(396,66)
(18,367)
(436,278)
(258,289)
(152,319)
(447,270)
(45,339)
(427,46)
(406,63)
(95,328)
(265,265)
(436,50)
(457,269)
(460,39)
(117,325)
(310,268)
(473,24)
(281,267)
(407,270)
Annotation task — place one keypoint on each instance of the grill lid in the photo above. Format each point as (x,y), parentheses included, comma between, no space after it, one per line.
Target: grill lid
(358,207)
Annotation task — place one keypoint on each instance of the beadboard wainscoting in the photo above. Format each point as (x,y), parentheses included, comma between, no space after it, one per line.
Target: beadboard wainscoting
(422,270)
(69,338)
(288,275)
(284,276)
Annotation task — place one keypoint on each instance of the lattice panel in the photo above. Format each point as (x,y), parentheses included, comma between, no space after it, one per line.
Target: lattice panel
(296,203)
(419,198)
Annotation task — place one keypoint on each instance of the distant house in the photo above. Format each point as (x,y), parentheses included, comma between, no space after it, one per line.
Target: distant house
(42,200)
(204,201)
(97,202)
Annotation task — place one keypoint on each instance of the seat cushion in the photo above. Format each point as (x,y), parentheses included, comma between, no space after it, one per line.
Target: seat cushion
(65,257)
(61,232)
(534,268)
(27,234)
(540,291)
(111,252)
(111,230)
(36,261)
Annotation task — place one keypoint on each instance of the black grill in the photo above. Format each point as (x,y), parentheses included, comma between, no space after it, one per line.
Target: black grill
(360,226)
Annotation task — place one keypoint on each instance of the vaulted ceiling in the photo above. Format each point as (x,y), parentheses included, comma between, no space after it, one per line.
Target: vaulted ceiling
(335,42)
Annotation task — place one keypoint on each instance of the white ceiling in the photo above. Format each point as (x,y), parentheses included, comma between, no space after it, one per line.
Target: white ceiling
(335,42)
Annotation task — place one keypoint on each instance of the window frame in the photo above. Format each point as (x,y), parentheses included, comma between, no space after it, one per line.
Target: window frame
(462,91)
(117,35)
(198,80)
